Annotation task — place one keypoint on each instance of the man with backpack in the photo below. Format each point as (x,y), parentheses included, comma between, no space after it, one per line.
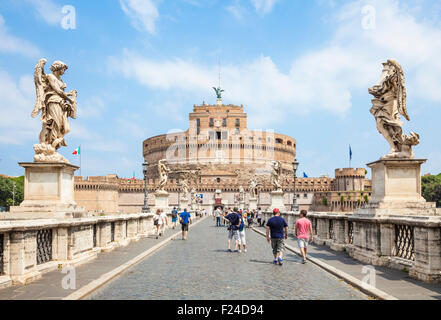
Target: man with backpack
(233,230)
(185,220)
(174,215)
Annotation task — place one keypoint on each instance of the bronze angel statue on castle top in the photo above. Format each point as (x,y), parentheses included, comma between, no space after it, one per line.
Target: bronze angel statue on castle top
(56,107)
(388,104)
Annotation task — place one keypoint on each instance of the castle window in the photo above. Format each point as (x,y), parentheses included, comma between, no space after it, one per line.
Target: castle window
(224,135)
(219,135)
(237,131)
(211,122)
(289,143)
(198,122)
(218,180)
(224,122)
(279,141)
(237,122)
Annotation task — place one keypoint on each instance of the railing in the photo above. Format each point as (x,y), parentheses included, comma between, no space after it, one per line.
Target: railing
(2,237)
(44,246)
(331,229)
(94,235)
(350,232)
(404,242)
(112,232)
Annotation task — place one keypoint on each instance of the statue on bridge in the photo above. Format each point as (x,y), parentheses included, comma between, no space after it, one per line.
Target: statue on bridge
(163,175)
(388,104)
(56,107)
(184,188)
(276,175)
(254,188)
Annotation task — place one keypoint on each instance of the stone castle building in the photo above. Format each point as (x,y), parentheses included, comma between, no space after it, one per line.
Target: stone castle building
(217,156)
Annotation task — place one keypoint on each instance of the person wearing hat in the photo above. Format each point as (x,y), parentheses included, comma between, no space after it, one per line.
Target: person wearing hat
(276,233)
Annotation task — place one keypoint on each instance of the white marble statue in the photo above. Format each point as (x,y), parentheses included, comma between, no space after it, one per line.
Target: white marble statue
(254,188)
(56,107)
(276,175)
(193,195)
(163,175)
(388,104)
(184,188)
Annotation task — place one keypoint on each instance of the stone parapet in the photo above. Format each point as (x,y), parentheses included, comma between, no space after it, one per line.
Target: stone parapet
(33,247)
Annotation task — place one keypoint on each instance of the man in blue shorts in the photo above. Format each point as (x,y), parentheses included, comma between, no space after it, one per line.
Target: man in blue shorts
(279,232)
(185,220)
(174,215)
(233,230)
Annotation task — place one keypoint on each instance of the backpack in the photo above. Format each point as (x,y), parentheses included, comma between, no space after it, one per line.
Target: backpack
(174,214)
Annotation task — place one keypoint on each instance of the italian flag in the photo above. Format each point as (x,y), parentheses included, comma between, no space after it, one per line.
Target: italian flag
(77,151)
(133,176)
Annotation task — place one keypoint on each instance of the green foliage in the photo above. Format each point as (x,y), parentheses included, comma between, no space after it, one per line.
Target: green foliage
(325,202)
(366,198)
(342,199)
(7,188)
(431,189)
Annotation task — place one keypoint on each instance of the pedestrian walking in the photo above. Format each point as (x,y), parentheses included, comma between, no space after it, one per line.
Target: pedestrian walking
(259,216)
(174,215)
(217,215)
(304,234)
(233,219)
(276,233)
(158,221)
(185,220)
(242,239)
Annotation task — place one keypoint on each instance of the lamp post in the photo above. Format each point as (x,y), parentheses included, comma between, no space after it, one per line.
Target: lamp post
(145,208)
(294,206)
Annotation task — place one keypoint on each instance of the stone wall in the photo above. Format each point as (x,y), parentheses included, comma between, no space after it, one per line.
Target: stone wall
(411,244)
(31,248)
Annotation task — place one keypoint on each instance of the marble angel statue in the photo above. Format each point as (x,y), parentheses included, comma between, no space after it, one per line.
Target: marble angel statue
(254,188)
(163,175)
(276,175)
(56,106)
(388,104)
(184,188)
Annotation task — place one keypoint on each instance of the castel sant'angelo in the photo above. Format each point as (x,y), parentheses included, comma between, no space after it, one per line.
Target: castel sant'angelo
(217,157)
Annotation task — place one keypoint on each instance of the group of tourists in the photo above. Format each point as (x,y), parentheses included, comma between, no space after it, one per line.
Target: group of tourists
(249,216)
(277,233)
(160,221)
(276,230)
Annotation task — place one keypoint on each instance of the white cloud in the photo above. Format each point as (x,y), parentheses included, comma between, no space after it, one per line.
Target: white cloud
(263,6)
(47,10)
(324,79)
(16,104)
(11,44)
(143,14)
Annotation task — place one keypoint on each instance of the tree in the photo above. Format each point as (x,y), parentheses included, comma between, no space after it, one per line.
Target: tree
(7,191)
(431,189)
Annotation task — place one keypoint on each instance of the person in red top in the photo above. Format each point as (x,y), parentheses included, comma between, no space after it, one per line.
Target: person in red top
(303,233)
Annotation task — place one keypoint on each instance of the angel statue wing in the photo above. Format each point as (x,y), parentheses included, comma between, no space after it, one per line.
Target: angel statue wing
(39,79)
(401,89)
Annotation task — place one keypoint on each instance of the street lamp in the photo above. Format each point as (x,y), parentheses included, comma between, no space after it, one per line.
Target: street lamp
(294,206)
(145,208)
(179,196)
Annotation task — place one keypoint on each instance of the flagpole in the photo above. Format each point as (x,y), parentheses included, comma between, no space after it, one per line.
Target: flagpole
(81,151)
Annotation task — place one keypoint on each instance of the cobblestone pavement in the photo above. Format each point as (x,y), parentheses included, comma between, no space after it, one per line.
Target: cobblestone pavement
(201,268)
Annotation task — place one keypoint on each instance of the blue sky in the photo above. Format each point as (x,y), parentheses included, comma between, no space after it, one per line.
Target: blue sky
(299,67)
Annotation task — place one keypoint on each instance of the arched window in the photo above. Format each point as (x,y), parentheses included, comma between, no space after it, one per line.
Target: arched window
(280,141)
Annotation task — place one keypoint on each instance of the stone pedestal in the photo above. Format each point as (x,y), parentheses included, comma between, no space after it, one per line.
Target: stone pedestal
(161,201)
(184,204)
(253,203)
(396,189)
(48,193)
(277,201)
